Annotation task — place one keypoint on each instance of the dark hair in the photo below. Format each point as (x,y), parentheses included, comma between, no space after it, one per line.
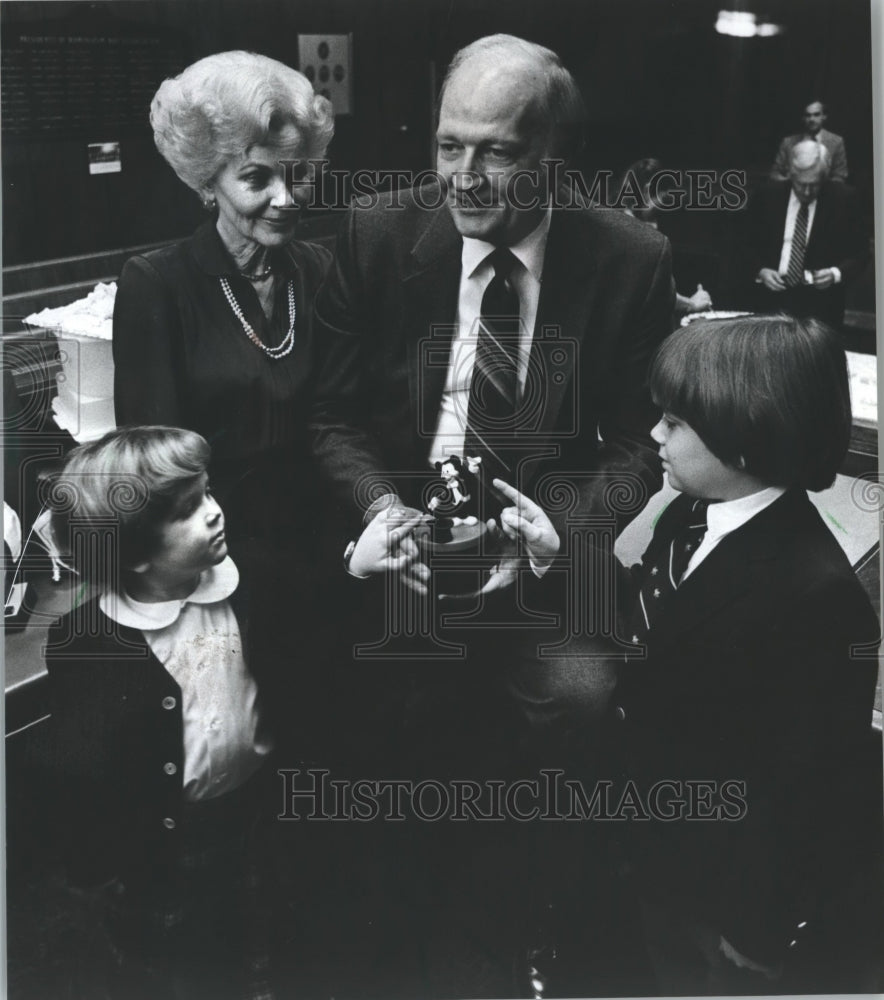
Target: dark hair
(771,391)
(560,99)
(124,487)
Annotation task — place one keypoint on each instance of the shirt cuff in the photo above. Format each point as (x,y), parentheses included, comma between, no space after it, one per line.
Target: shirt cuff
(348,555)
(836,274)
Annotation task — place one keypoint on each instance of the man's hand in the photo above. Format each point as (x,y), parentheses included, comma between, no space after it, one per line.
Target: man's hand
(700,301)
(772,280)
(387,545)
(823,278)
(527,523)
(505,571)
(524,530)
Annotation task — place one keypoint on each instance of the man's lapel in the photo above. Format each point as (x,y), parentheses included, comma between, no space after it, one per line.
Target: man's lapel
(820,224)
(567,292)
(430,290)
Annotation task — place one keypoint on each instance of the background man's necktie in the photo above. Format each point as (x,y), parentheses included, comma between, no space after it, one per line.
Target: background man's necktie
(494,386)
(666,572)
(795,272)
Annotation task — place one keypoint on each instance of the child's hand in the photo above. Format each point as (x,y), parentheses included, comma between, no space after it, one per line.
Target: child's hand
(387,545)
(526,522)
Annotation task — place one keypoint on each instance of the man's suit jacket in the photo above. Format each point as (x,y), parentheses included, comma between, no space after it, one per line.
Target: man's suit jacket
(834,147)
(606,303)
(836,240)
(749,677)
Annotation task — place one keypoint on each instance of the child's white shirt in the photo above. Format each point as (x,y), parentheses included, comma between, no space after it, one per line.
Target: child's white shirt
(198,641)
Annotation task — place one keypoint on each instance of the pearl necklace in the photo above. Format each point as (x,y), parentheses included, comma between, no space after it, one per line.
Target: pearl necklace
(274,353)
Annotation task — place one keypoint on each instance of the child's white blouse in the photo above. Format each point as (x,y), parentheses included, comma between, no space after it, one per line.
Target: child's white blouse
(198,641)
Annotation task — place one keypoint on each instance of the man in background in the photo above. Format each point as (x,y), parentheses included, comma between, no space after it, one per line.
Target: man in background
(814,117)
(805,239)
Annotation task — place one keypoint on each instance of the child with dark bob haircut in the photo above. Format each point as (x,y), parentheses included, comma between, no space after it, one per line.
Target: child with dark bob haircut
(770,396)
(742,721)
(158,735)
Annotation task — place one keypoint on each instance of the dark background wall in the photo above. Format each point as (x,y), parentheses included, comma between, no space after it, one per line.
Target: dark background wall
(657,78)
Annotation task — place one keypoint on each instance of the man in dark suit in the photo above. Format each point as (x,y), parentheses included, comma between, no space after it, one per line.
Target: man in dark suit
(400,333)
(805,240)
(400,307)
(813,117)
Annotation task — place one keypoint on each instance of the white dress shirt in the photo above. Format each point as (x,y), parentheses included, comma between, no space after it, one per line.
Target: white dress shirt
(475,276)
(726,516)
(197,640)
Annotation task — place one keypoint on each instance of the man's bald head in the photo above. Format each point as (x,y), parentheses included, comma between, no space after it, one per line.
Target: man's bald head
(507,108)
(554,93)
(807,154)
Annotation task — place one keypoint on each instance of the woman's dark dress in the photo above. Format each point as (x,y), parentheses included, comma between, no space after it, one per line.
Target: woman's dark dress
(182,359)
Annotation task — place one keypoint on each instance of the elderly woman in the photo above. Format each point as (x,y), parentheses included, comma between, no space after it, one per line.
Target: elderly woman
(215,333)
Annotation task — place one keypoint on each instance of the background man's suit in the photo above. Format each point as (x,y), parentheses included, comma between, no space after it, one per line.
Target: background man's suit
(834,147)
(836,240)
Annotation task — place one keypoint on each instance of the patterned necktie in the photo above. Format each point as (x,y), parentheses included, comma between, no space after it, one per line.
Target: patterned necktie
(665,574)
(494,384)
(795,273)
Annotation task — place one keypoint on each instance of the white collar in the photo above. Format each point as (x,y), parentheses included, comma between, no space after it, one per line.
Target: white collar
(728,515)
(216,584)
(529,251)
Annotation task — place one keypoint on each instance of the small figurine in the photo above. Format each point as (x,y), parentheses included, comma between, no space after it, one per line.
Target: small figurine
(450,470)
(452,537)
(451,504)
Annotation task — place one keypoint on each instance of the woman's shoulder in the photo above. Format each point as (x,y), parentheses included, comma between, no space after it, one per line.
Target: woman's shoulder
(169,262)
(163,264)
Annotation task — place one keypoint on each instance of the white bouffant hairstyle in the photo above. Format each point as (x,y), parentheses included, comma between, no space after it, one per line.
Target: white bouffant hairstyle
(223,104)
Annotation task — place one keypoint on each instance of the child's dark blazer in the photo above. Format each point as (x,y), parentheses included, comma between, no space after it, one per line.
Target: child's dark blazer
(749,677)
(117,748)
